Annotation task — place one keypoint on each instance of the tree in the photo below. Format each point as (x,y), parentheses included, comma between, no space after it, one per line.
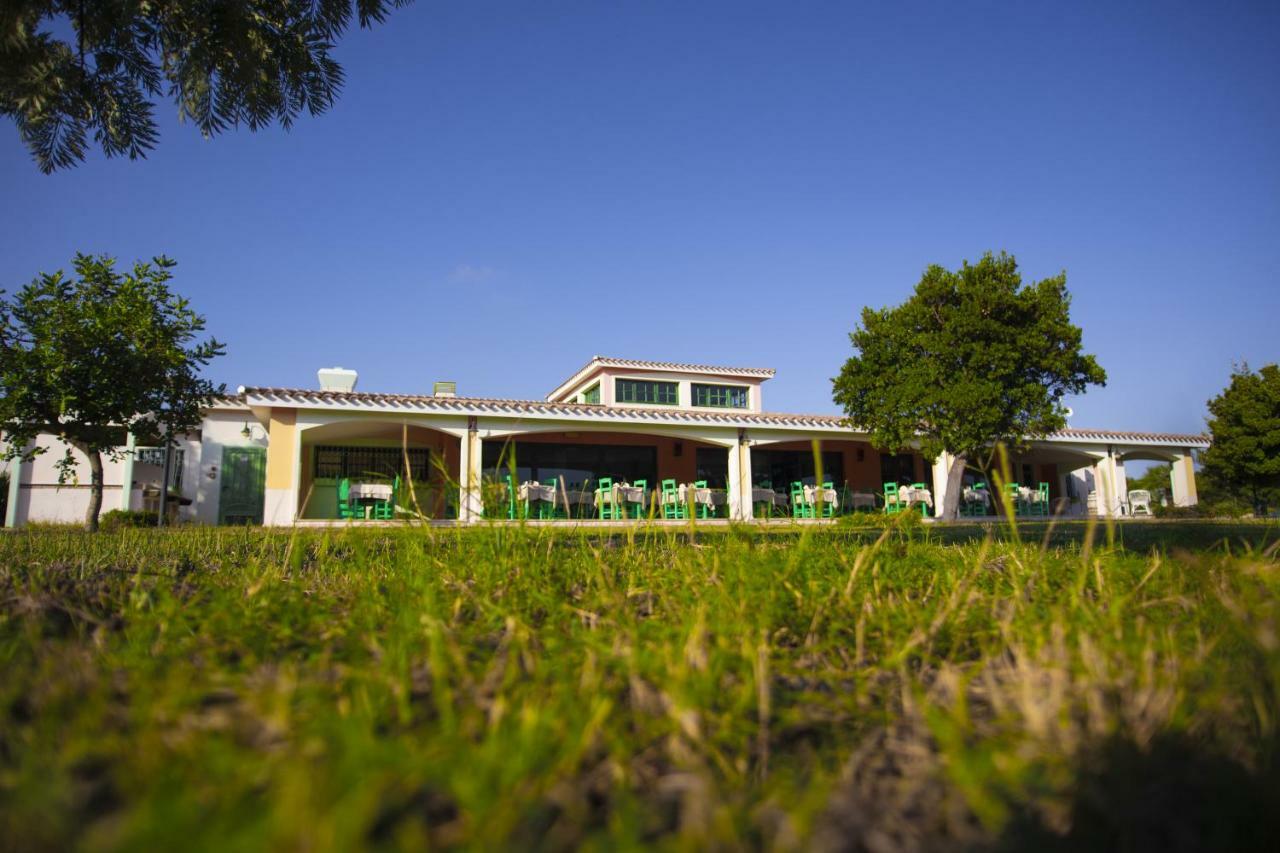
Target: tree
(225,64)
(971,360)
(87,358)
(1244,423)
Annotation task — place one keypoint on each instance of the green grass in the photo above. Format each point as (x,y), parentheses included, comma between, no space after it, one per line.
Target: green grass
(823,689)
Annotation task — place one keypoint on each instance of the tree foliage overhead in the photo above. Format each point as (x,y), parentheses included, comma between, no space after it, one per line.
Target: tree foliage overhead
(971,359)
(1245,425)
(225,63)
(85,358)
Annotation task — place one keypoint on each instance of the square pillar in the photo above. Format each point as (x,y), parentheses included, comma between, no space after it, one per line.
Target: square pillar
(470,500)
(1183,477)
(280,502)
(126,472)
(941,475)
(15,484)
(739,482)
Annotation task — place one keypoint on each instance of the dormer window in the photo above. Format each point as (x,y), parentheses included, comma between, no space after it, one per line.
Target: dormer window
(592,395)
(646,392)
(720,396)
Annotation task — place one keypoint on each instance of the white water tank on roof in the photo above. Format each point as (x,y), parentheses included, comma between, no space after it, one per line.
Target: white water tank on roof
(337,379)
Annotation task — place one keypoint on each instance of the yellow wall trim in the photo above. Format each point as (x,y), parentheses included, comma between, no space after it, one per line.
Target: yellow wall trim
(281,428)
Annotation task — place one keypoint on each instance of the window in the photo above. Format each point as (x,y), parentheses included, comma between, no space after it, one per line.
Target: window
(898,468)
(720,396)
(642,391)
(155,456)
(581,465)
(334,462)
(592,394)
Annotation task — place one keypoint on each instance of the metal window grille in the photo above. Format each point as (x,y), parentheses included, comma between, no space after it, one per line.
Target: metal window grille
(336,462)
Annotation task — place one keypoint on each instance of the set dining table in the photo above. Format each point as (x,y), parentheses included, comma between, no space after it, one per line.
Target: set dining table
(369,495)
(912,495)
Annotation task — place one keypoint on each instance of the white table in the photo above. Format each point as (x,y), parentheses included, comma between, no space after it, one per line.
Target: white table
(977,496)
(862,500)
(621,493)
(764,496)
(535,491)
(829,496)
(706,496)
(910,495)
(369,493)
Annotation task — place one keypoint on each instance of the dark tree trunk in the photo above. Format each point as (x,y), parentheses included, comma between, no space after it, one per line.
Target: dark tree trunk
(955,484)
(95,491)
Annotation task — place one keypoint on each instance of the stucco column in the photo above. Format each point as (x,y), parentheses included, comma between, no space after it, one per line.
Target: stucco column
(283,463)
(470,500)
(1184,480)
(740,507)
(1104,480)
(15,483)
(941,474)
(126,472)
(1121,483)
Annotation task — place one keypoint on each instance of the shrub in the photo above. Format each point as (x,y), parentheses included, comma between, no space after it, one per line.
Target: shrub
(117,519)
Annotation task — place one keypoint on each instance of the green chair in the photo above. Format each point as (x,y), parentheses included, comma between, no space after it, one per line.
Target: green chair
(514,508)
(703,510)
(671,506)
(974,507)
(924,510)
(552,508)
(892,503)
(1014,491)
(800,508)
(605,506)
(828,508)
(764,509)
(1042,499)
(386,510)
(636,509)
(347,509)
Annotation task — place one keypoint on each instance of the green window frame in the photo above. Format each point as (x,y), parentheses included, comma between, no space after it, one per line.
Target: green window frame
(592,395)
(721,396)
(646,391)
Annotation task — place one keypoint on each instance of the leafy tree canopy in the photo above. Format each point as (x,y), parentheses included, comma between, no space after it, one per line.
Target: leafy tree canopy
(85,358)
(69,68)
(1245,425)
(971,359)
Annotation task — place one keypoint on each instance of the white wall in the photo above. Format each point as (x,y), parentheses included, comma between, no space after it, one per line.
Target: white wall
(221,428)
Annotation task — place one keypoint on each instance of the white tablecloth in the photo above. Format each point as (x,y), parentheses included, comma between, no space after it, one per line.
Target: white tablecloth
(763,496)
(534,491)
(862,500)
(977,496)
(706,497)
(909,495)
(370,492)
(623,493)
(829,496)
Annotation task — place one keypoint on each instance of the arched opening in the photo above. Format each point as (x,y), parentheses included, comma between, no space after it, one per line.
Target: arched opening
(374,451)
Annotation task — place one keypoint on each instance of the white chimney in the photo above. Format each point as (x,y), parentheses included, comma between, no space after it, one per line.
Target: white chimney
(445,389)
(337,379)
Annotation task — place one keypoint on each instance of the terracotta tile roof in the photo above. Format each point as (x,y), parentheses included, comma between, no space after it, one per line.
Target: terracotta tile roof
(519,408)
(1188,439)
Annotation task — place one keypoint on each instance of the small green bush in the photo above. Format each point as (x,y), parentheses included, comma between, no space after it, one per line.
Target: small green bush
(117,519)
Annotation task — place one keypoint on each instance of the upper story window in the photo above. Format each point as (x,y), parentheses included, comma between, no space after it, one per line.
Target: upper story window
(592,394)
(720,396)
(645,391)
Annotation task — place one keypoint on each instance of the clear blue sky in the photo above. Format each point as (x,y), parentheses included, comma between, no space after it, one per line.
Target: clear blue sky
(505,189)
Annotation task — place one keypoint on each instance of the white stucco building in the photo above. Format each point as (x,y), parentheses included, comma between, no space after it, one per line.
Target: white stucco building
(275,455)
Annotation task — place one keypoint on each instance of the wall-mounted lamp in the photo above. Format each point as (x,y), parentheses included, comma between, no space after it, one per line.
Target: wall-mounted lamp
(249,431)
(862,454)
(677,448)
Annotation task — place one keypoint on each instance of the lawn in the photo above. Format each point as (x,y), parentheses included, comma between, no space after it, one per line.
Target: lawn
(835,688)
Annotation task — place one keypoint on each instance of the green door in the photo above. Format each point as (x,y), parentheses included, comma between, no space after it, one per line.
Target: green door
(244,478)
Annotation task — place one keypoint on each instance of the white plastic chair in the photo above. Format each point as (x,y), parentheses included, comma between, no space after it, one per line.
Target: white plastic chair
(1139,502)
